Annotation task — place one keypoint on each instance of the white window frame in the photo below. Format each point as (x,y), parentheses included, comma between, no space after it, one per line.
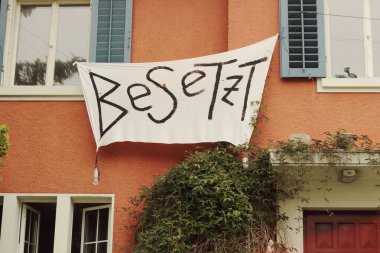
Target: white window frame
(24,218)
(97,226)
(12,209)
(361,84)
(9,91)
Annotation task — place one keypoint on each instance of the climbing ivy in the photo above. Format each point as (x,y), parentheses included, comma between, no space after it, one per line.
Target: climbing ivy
(210,202)
(4,144)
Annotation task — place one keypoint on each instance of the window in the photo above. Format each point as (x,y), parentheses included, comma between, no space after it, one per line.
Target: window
(95,229)
(30,229)
(37,227)
(91,223)
(49,40)
(338,40)
(353,38)
(352,46)
(44,38)
(57,223)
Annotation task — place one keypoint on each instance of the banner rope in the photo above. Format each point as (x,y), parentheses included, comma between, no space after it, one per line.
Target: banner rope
(96,176)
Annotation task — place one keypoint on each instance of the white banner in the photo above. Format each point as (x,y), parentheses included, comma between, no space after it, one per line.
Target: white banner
(205,99)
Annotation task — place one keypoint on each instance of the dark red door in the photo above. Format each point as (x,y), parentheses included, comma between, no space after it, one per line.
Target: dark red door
(342,232)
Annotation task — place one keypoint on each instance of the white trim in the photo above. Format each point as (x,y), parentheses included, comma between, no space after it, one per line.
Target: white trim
(41,93)
(327,37)
(11,219)
(50,63)
(10,47)
(348,85)
(55,195)
(63,225)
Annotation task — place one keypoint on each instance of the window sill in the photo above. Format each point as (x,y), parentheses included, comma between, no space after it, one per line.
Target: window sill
(41,93)
(348,85)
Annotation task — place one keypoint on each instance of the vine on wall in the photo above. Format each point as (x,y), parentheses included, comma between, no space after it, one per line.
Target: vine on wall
(4,144)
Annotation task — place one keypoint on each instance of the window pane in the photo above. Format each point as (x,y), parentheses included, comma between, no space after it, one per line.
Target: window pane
(27,225)
(89,248)
(32,249)
(33,45)
(72,43)
(346,37)
(375,14)
(102,247)
(103,224)
(34,229)
(90,226)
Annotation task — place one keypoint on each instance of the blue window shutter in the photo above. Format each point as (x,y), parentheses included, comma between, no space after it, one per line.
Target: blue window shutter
(3,19)
(302,38)
(111,30)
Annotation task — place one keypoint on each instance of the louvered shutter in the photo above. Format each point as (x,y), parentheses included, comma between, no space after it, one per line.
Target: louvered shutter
(302,38)
(111,29)
(3,19)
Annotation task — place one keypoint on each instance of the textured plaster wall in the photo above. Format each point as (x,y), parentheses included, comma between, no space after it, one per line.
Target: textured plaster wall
(52,145)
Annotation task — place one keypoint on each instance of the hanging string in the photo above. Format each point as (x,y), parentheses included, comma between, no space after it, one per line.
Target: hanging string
(96,176)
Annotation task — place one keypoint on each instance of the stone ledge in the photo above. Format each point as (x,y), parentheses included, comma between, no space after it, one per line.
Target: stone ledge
(338,158)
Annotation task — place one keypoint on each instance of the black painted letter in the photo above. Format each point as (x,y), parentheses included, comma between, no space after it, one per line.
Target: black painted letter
(219,66)
(252,64)
(159,121)
(187,85)
(101,98)
(133,99)
(231,89)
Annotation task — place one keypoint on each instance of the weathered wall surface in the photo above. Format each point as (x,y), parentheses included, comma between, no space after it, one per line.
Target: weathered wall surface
(53,149)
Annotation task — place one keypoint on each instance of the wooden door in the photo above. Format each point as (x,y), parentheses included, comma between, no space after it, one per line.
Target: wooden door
(342,232)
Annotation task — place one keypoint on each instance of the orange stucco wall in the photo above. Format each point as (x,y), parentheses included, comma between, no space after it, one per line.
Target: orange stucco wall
(52,144)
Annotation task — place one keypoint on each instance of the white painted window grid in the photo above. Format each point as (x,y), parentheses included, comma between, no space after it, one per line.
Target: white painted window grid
(12,36)
(369,83)
(96,242)
(48,91)
(33,234)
